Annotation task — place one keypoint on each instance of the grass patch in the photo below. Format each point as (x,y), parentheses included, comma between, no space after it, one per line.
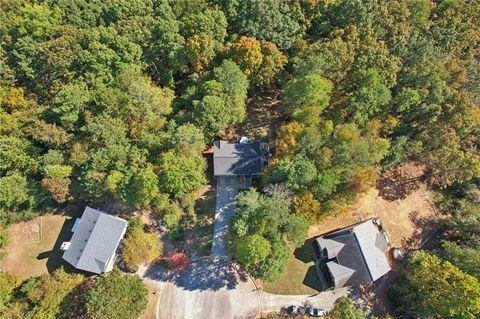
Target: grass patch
(34,247)
(300,278)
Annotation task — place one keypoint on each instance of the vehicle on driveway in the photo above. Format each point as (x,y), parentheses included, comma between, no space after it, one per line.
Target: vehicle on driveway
(295,310)
(316,312)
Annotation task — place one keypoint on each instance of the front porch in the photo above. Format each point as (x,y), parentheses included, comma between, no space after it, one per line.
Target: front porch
(238,182)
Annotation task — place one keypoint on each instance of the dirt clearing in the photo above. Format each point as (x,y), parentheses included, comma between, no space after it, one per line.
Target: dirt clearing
(409,218)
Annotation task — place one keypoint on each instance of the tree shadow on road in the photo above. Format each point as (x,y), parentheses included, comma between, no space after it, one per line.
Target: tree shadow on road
(204,274)
(208,274)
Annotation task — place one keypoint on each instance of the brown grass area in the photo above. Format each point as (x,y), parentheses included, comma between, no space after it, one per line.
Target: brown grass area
(33,249)
(408,219)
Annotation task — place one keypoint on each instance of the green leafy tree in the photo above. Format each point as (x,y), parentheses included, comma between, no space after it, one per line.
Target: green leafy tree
(344,309)
(105,54)
(181,174)
(296,173)
(140,188)
(188,139)
(369,97)
(8,283)
(198,17)
(47,292)
(297,229)
(165,54)
(278,21)
(309,94)
(276,263)
(17,154)
(433,287)
(465,258)
(14,191)
(252,250)
(103,298)
(70,102)
(223,100)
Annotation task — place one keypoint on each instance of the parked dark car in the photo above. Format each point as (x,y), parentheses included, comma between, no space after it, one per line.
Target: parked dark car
(316,312)
(295,310)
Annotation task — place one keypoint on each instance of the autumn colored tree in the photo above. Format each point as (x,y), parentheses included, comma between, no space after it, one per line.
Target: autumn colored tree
(247,53)
(306,205)
(141,247)
(178,260)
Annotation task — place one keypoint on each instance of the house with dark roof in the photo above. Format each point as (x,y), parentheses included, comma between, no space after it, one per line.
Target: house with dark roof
(354,255)
(94,242)
(241,160)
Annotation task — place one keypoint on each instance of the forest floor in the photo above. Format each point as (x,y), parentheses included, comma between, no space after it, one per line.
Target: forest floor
(409,218)
(264,116)
(34,247)
(198,237)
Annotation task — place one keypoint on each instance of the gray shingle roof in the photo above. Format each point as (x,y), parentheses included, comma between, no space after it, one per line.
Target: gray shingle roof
(367,236)
(239,159)
(360,248)
(95,241)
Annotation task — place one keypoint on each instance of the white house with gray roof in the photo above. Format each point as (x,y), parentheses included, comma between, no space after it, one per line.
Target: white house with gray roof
(354,255)
(94,242)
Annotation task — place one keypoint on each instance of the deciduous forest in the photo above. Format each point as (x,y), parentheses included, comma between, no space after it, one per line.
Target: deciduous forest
(115,100)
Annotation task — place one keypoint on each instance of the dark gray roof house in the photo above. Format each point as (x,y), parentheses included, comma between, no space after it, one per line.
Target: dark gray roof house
(94,242)
(356,254)
(239,159)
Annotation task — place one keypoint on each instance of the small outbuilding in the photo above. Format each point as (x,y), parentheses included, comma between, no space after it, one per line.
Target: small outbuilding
(354,255)
(95,241)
